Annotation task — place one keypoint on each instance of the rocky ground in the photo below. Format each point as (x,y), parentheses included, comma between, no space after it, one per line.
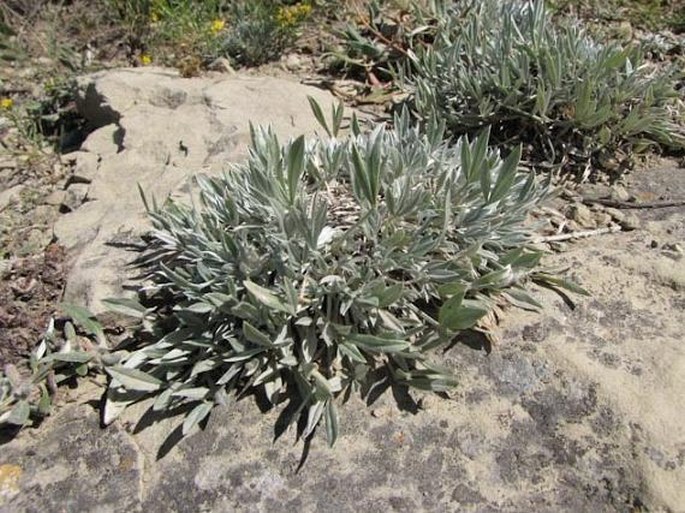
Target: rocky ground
(579,408)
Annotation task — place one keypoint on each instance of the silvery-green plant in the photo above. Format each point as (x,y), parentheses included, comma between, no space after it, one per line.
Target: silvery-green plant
(542,82)
(27,395)
(318,261)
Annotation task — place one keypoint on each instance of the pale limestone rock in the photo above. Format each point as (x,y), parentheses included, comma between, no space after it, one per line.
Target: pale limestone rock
(10,195)
(582,215)
(157,130)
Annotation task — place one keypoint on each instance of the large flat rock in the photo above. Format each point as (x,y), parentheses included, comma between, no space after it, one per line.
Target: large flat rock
(69,466)
(577,409)
(157,130)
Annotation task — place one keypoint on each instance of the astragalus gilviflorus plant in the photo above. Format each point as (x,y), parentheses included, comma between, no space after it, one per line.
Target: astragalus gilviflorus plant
(316,262)
(543,82)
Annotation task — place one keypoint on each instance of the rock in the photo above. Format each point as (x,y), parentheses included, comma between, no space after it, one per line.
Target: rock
(55,198)
(75,196)
(43,215)
(624,30)
(35,242)
(678,248)
(602,218)
(105,142)
(558,246)
(222,65)
(46,62)
(72,468)
(10,195)
(619,193)
(70,158)
(7,162)
(86,165)
(582,215)
(531,427)
(673,251)
(593,190)
(292,62)
(57,168)
(158,130)
(616,214)
(629,222)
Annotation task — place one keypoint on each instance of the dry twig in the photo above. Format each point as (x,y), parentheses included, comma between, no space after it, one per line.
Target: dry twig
(577,235)
(628,204)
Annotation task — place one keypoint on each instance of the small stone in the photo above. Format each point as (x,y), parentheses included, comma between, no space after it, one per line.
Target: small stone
(615,214)
(593,190)
(558,246)
(27,72)
(572,226)
(45,61)
(630,222)
(619,193)
(86,167)
(582,215)
(10,476)
(55,198)
(222,65)
(675,247)
(10,195)
(292,62)
(36,241)
(602,218)
(76,195)
(105,141)
(7,163)
(43,215)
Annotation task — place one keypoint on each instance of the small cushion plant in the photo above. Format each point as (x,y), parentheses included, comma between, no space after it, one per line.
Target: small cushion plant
(544,83)
(319,261)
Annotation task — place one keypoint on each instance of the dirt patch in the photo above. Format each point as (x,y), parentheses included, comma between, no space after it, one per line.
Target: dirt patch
(30,289)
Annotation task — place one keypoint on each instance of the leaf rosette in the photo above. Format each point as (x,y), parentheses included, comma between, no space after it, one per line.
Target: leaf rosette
(316,263)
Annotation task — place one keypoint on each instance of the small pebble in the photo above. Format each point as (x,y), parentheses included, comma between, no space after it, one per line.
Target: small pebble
(619,193)
(582,215)
(629,222)
(602,218)
(675,247)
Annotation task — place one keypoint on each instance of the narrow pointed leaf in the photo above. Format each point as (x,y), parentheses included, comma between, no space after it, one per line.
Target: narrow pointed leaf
(134,379)
(331,423)
(266,297)
(196,416)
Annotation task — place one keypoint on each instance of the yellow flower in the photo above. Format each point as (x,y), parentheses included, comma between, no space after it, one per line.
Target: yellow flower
(292,15)
(154,17)
(285,17)
(145,59)
(217,26)
(6,103)
(304,10)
